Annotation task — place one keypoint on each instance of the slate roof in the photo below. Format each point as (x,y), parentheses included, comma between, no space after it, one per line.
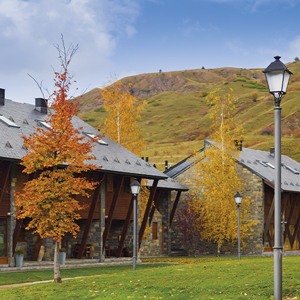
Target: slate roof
(181,167)
(112,157)
(262,163)
(169,184)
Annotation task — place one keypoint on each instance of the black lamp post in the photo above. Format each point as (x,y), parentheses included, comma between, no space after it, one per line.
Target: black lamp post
(277,75)
(238,201)
(135,189)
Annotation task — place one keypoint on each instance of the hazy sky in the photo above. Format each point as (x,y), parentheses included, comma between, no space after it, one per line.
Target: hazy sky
(128,37)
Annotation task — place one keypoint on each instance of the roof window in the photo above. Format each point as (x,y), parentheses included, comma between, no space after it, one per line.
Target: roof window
(290,169)
(8,122)
(43,123)
(265,164)
(99,141)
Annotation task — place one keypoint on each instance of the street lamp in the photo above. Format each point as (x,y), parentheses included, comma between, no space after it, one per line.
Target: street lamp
(135,189)
(277,75)
(238,201)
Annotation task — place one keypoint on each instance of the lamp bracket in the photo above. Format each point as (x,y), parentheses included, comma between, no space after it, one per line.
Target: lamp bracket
(277,99)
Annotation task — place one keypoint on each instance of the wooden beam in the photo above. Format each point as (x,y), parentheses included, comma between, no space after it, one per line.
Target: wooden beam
(147,211)
(37,248)
(19,223)
(63,241)
(111,210)
(296,227)
(156,198)
(288,222)
(269,184)
(174,207)
(271,211)
(17,231)
(283,204)
(90,217)
(5,175)
(125,228)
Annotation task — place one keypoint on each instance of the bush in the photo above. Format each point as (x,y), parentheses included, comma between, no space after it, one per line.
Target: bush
(20,252)
(203,94)
(269,130)
(296,133)
(254,97)
(100,109)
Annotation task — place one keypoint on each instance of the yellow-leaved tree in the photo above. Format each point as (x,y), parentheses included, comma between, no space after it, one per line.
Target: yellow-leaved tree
(121,125)
(216,176)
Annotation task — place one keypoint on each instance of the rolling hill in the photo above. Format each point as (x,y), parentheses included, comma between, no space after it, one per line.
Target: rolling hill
(176,119)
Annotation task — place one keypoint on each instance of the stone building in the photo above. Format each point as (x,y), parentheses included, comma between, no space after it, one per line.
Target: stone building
(256,168)
(106,222)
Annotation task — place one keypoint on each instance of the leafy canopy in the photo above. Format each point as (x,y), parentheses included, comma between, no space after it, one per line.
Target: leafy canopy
(57,156)
(216,175)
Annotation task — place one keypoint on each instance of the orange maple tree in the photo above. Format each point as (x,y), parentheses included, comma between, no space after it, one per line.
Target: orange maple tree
(57,155)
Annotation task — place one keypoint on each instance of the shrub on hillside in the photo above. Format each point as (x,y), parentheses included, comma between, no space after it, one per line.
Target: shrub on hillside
(254,97)
(269,130)
(296,133)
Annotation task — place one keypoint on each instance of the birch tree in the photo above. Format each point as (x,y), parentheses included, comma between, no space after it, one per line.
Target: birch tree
(121,123)
(217,178)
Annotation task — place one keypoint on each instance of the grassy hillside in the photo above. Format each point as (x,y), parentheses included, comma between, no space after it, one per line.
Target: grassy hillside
(176,119)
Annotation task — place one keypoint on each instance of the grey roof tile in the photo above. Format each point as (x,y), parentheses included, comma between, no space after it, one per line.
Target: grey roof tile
(23,111)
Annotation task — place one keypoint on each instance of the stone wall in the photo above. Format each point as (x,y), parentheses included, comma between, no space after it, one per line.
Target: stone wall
(254,188)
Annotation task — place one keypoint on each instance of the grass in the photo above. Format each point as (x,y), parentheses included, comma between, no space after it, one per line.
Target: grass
(172,117)
(192,278)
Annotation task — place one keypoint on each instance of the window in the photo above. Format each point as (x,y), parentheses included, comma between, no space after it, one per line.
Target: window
(99,141)
(154,231)
(8,122)
(43,123)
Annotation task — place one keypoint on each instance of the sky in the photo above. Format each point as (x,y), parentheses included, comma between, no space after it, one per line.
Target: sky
(130,37)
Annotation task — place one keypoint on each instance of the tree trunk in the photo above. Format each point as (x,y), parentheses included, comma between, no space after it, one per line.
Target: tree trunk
(219,250)
(57,278)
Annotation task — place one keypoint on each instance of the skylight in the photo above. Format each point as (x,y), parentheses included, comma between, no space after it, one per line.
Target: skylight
(43,123)
(8,122)
(265,164)
(290,169)
(99,141)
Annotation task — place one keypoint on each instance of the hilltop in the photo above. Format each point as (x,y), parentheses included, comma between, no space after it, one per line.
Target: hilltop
(176,120)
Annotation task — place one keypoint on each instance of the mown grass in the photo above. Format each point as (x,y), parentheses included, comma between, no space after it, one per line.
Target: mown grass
(201,278)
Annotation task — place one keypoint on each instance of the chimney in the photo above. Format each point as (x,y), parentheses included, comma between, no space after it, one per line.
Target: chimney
(166,165)
(147,159)
(272,151)
(239,145)
(2,96)
(41,105)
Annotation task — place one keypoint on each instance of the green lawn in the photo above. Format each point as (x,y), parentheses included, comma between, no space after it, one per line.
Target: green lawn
(200,278)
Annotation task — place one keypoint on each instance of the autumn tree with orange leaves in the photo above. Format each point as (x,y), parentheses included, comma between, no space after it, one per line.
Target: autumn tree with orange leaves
(57,156)
(217,178)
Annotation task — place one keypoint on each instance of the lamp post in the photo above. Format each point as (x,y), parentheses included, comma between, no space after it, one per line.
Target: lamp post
(277,75)
(238,200)
(135,189)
